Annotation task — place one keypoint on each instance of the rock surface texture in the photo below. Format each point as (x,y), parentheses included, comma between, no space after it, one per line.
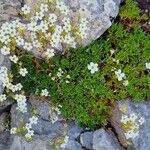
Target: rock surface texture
(142,141)
(9,9)
(99,14)
(48,135)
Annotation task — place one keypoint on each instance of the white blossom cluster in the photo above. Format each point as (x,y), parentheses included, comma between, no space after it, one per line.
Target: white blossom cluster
(21,102)
(66,139)
(121,76)
(33,120)
(45,93)
(131,124)
(43,24)
(28,127)
(46,29)
(59,74)
(2,97)
(54,114)
(5,81)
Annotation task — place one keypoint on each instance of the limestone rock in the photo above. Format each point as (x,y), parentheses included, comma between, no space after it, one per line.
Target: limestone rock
(141,142)
(3,118)
(45,130)
(5,141)
(72,145)
(86,139)
(102,140)
(97,12)
(4,61)
(9,9)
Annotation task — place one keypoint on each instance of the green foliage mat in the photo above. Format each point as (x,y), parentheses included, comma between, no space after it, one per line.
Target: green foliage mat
(87,97)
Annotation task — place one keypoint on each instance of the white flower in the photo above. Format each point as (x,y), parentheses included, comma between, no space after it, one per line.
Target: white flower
(59,73)
(83,28)
(23,72)
(2,97)
(125,83)
(124,119)
(133,117)
(29,134)
(62,7)
(44,92)
(28,46)
(93,67)
(141,120)
(14,58)
(33,120)
(18,87)
(25,9)
(68,77)
(5,50)
(67,81)
(43,26)
(131,134)
(13,131)
(120,75)
(39,15)
(44,7)
(19,41)
(49,53)
(66,139)
(52,18)
(21,103)
(147,65)
(28,126)
(32,26)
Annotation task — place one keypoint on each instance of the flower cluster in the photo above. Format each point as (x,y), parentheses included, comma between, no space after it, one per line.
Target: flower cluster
(28,127)
(6,82)
(121,76)
(56,28)
(44,92)
(66,139)
(2,97)
(14,59)
(54,114)
(21,103)
(131,124)
(47,30)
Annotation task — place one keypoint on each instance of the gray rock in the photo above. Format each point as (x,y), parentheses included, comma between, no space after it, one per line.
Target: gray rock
(73,130)
(5,141)
(42,107)
(41,143)
(99,14)
(45,131)
(20,144)
(102,140)
(141,142)
(4,61)
(9,9)
(3,119)
(86,140)
(73,145)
